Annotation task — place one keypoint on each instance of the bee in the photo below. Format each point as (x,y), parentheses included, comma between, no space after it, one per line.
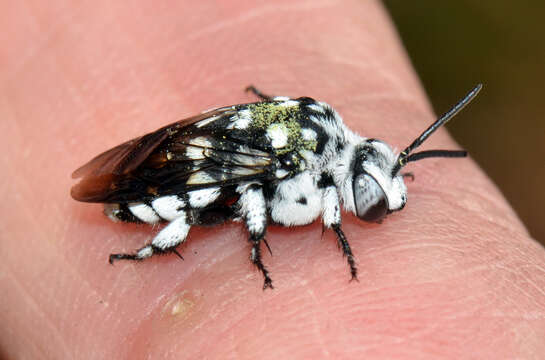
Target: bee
(279,160)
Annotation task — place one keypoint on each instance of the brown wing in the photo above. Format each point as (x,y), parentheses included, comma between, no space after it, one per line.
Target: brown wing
(193,153)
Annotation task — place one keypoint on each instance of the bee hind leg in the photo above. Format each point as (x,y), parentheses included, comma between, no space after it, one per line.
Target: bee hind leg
(165,242)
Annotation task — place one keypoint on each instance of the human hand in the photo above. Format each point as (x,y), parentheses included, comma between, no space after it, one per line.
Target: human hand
(454,274)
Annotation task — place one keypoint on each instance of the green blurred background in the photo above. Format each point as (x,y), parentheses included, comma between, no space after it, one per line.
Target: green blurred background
(454,45)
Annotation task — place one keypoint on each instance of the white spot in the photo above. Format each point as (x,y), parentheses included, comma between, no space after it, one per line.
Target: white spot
(200,141)
(250,160)
(241,120)
(308,156)
(241,171)
(308,134)
(278,134)
(200,177)
(144,213)
(248,156)
(281,98)
(281,173)
(169,207)
(284,207)
(207,121)
(289,103)
(316,108)
(196,152)
(145,252)
(201,198)
(173,234)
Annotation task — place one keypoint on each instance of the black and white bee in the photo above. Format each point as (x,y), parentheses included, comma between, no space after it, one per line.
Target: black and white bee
(280,160)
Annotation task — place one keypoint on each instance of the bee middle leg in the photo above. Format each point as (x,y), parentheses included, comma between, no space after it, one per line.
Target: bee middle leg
(331,217)
(255,257)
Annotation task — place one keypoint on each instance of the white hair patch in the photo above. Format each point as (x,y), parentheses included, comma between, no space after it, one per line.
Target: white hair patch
(278,134)
(144,212)
(201,198)
(169,207)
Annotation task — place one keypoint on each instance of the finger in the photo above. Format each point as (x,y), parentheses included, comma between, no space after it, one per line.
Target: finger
(119,78)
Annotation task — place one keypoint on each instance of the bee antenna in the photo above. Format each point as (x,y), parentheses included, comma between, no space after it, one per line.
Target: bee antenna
(405,157)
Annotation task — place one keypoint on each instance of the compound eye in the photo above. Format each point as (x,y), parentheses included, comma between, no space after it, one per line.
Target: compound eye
(377,212)
(370,200)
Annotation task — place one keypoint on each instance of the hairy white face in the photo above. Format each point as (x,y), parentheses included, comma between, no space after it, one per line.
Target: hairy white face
(375,192)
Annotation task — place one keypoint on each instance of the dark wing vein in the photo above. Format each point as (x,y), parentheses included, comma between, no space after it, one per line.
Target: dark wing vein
(191,154)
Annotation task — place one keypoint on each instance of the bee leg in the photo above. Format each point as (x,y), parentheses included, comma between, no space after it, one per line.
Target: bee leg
(166,241)
(331,217)
(258,93)
(254,213)
(255,257)
(343,243)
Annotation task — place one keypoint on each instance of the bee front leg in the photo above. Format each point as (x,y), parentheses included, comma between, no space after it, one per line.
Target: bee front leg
(331,217)
(254,213)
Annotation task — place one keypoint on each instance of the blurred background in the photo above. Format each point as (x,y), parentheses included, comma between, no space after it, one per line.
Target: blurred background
(456,44)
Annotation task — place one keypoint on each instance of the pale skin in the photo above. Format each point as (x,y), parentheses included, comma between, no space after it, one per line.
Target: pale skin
(453,275)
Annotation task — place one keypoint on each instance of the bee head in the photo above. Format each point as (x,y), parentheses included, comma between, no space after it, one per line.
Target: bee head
(375,192)
(377,184)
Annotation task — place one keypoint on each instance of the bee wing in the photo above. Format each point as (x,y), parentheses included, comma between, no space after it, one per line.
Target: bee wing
(198,152)
(129,155)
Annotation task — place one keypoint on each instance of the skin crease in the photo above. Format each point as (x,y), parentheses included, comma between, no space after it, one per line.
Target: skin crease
(454,275)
